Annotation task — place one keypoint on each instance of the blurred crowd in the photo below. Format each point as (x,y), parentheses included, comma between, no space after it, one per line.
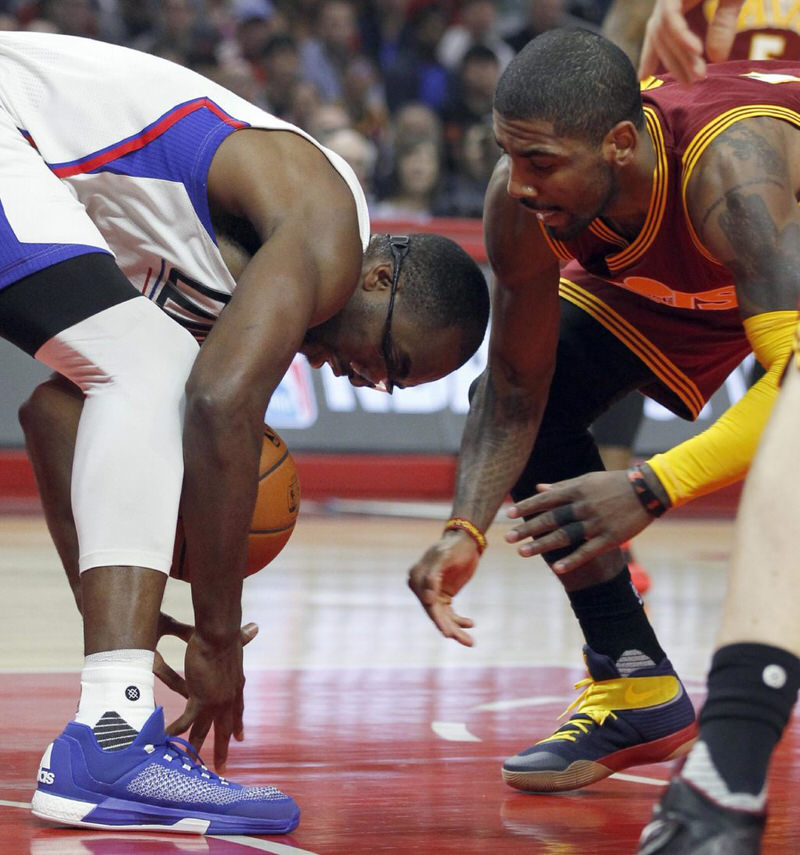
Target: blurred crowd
(402,89)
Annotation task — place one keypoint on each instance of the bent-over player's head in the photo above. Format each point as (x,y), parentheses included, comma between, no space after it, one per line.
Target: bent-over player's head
(420,312)
(568,115)
(577,80)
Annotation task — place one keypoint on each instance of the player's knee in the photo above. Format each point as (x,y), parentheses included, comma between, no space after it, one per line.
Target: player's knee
(48,404)
(144,352)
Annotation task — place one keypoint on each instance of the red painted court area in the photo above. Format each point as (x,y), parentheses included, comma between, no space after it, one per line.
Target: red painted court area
(390,737)
(380,760)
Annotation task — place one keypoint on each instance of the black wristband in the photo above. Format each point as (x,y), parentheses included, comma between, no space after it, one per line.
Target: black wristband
(644,493)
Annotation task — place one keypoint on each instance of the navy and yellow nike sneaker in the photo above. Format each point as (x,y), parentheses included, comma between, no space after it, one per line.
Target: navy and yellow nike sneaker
(688,822)
(630,712)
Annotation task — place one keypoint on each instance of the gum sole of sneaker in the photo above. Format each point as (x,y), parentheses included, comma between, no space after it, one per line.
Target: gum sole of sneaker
(581,773)
(117,815)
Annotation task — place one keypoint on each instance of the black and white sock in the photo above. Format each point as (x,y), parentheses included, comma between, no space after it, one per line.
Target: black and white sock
(752,689)
(116,695)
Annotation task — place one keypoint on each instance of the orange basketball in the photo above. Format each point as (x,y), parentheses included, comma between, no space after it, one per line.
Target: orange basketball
(275,513)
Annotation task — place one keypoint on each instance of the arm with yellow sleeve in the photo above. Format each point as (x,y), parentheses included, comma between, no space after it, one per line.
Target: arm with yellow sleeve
(721,454)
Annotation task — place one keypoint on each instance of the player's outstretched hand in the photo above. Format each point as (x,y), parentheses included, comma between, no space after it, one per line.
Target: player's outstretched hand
(669,41)
(438,576)
(215,692)
(592,514)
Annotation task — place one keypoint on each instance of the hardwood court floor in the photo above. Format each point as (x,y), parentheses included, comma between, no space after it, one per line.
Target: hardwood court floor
(389,736)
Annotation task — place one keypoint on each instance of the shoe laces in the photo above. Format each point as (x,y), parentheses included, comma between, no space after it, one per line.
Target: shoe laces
(592,710)
(180,749)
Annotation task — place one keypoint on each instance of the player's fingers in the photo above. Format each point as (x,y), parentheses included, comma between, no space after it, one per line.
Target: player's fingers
(586,552)
(199,732)
(249,632)
(169,676)
(545,501)
(571,535)
(686,65)
(222,738)
(169,626)
(544,522)
(452,625)
(186,719)
(722,30)
(238,719)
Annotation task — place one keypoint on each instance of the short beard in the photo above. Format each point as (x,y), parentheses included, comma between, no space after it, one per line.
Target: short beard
(577,227)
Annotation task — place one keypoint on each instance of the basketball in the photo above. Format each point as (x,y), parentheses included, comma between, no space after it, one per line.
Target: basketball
(274,515)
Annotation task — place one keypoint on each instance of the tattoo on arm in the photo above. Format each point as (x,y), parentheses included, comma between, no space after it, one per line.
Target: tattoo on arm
(765,260)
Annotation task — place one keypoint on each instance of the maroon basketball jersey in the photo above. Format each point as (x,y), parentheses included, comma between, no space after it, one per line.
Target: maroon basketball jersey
(663,294)
(765,29)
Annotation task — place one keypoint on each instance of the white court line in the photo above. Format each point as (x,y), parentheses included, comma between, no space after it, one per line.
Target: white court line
(453,731)
(262,845)
(639,779)
(25,805)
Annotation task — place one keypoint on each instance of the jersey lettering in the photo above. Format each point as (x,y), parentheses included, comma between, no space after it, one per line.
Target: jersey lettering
(717,299)
(193,305)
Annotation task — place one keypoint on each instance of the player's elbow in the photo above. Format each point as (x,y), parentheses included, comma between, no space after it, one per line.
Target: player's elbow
(217,411)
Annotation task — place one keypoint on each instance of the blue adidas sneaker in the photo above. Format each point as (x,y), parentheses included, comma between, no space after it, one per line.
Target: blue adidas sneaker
(630,712)
(157,783)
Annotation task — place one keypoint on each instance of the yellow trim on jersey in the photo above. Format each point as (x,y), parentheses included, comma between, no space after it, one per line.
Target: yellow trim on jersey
(650,83)
(604,232)
(666,371)
(658,201)
(558,247)
(706,135)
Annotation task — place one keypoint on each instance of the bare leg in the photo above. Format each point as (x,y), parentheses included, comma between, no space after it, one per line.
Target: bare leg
(760,606)
(49,419)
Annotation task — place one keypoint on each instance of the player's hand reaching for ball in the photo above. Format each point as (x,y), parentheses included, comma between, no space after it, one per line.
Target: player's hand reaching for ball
(439,575)
(214,685)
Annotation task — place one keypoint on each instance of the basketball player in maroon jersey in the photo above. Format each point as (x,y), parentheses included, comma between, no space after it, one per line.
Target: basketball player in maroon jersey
(674,212)
(764,30)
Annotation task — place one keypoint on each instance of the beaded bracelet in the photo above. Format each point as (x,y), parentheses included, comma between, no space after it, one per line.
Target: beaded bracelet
(460,524)
(644,493)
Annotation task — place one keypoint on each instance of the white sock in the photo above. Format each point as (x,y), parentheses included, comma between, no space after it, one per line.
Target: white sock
(116,695)
(700,770)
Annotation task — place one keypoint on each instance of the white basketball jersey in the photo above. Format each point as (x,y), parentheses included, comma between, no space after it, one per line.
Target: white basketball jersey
(133,136)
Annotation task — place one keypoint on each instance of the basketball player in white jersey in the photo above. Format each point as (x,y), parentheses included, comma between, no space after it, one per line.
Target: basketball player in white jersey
(120,176)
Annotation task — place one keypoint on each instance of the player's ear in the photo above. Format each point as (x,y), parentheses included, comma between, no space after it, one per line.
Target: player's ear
(620,143)
(377,275)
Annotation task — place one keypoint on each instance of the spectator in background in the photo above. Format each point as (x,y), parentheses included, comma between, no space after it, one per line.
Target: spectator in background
(71,17)
(415,184)
(470,98)
(416,74)
(180,32)
(381,24)
(465,184)
(304,103)
(411,122)
(361,153)
(325,119)
(255,22)
(476,25)
(543,15)
(324,56)
(363,97)
(279,66)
